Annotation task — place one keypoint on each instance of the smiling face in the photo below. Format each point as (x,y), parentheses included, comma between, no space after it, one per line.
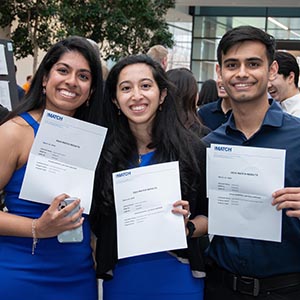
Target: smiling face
(68,84)
(221,90)
(138,95)
(281,88)
(278,88)
(245,72)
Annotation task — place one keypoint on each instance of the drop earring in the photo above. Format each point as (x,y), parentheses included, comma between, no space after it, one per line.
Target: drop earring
(87,103)
(119,112)
(44,90)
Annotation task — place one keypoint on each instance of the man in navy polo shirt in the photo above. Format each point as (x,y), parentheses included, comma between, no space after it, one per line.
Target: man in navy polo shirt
(240,268)
(215,113)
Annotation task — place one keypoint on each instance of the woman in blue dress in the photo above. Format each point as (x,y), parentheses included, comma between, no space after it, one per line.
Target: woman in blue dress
(143,129)
(33,264)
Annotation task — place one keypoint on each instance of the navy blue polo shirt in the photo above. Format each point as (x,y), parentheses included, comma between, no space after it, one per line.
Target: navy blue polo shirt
(254,257)
(212,115)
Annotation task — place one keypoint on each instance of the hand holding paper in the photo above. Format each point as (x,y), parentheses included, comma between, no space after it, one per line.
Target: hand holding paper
(63,159)
(240,184)
(144,200)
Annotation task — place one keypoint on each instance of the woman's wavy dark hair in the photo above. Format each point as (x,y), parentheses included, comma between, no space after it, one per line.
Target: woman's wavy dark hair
(170,139)
(35,99)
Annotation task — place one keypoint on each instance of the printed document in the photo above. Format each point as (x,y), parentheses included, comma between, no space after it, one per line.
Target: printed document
(63,159)
(3,63)
(240,183)
(5,94)
(144,198)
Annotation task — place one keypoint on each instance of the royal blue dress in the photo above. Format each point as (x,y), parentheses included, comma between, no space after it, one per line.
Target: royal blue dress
(56,271)
(157,276)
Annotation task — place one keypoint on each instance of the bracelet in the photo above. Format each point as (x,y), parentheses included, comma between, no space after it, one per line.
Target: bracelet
(34,238)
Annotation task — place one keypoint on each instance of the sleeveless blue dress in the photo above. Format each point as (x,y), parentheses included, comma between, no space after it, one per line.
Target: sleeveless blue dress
(156,276)
(56,271)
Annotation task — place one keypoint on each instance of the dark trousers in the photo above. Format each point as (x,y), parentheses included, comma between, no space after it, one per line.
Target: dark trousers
(217,288)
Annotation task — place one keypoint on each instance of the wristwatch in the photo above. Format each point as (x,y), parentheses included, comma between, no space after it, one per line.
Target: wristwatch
(191,227)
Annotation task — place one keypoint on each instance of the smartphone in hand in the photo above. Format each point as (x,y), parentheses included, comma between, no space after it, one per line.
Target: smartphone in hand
(73,235)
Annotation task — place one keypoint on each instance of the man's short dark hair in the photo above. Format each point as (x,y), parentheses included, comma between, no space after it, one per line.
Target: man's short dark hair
(246,33)
(287,63)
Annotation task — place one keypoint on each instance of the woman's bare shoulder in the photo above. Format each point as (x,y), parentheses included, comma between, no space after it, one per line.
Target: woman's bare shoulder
(14,129)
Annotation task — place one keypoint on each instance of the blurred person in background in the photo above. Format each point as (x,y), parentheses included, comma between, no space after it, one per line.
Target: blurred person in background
(216,113)
(21,91)
(159,53)
(187,95)
(208,92)
(284,88)
(26,85)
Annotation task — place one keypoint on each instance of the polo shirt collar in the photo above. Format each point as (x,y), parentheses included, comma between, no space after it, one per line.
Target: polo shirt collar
(273,117)
(218,107)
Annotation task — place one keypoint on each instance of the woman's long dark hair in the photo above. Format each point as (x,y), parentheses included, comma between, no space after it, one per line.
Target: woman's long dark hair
(35,99)
(170,139)
(208,92)
(186,89)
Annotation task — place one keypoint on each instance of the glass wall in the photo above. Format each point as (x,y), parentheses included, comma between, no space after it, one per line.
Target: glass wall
(180,54)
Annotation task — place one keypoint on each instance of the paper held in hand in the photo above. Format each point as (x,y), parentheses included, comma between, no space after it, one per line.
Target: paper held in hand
(63,159)
(240,183)
(144,199)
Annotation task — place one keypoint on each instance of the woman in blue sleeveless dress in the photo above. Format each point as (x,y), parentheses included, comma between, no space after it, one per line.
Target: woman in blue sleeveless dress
(33,264)
(144,129)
